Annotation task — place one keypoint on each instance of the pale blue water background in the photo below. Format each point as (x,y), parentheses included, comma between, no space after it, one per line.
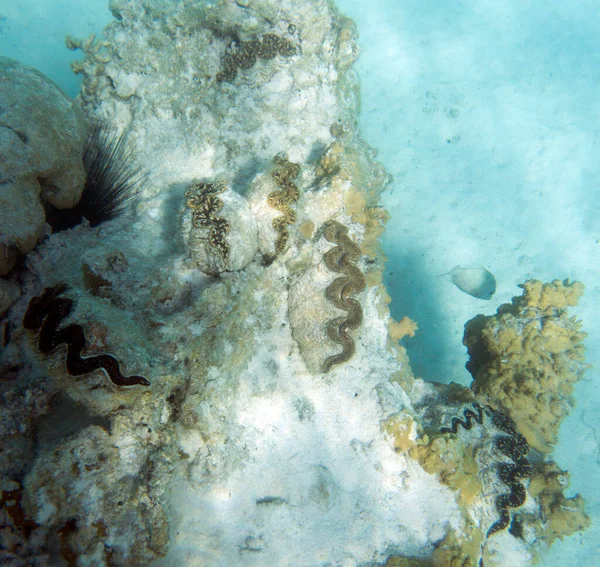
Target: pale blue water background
(487,114)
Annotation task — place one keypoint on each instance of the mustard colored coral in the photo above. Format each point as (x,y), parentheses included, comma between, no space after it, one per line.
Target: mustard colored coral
(562,516)
(527,357)
(397,561)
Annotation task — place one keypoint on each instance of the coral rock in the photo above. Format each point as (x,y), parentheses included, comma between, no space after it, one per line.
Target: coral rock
(527,357)
(9,293)
(41,142)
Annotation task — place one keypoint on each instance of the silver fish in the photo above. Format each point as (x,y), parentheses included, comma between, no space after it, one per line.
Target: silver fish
(477,282)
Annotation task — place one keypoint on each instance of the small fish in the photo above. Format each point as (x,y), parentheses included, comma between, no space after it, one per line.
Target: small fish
(477,282)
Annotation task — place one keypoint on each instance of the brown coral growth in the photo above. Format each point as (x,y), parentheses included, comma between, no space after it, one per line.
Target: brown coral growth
(562,516)
(244,54)
(342,259)
(528,356)
(202,199)
(281,200)
(10,502)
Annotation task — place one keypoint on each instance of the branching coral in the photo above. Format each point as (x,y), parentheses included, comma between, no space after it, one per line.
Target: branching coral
(342,259)
(244,54)
(45,313)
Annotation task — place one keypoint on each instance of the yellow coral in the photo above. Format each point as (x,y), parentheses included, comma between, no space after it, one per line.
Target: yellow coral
(397,561)
(562,516)
(459,550)
(400,428)
(454,462)
(406,327)
(556,295)
(527,357)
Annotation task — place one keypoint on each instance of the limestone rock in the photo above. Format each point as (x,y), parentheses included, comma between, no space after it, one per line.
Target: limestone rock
(41,144)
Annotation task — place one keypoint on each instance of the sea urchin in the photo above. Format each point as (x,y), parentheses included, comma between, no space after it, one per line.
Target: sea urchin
(112,178)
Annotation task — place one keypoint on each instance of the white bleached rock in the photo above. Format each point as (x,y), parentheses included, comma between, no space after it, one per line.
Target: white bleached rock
(41,144)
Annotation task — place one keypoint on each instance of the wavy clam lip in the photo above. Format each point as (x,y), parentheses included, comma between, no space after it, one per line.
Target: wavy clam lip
(244,54)
(342,259)
(45,313)
(512,445)
(202,199)
(281,200)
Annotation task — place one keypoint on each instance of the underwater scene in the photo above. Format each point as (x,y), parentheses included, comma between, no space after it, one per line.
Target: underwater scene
(299,283)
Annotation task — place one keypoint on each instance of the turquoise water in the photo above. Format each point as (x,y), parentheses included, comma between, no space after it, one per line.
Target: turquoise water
(486,114)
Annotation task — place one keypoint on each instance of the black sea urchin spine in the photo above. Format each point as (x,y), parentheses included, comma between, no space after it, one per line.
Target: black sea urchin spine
(112,176)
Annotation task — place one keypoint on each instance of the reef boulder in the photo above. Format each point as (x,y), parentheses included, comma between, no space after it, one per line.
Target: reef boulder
(41,144)
(527,358)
